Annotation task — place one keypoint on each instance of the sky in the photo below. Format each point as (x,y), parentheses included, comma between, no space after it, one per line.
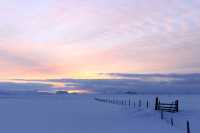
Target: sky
(79,38)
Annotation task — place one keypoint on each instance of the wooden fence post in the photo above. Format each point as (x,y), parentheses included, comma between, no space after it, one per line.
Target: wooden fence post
(147,104)
(156,104)
(177,106)
(162,115)
(172,122)
(188,127)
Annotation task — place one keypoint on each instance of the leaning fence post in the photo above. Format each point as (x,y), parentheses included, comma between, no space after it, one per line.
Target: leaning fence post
(188,127)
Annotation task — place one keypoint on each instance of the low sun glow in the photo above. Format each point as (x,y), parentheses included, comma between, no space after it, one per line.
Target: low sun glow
(57,84)
(77,91)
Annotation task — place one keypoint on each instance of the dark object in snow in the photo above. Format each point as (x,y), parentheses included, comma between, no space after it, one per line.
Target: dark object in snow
(147,104)
(162,115)
(156,104)
(172,122)
(188,127)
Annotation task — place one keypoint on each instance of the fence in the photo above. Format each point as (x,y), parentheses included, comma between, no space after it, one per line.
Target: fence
(179,123)
(164,108)
(171,107)
(168,107)
(126,102)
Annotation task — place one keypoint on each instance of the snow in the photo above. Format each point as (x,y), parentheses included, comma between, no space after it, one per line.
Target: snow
(82,114)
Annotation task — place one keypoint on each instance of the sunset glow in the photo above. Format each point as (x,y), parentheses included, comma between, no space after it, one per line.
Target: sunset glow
(77,91)
(79,39)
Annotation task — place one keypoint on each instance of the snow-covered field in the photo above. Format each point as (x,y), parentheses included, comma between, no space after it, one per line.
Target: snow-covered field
(82,114)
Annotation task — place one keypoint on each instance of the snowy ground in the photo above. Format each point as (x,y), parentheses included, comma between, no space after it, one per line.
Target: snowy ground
(82,114)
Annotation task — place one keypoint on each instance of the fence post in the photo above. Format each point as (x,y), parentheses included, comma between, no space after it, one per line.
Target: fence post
(156,104)
(188,127)
(162,115)
(147,104)
(177,106)
(129,103)
(134,104)
(172,122)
